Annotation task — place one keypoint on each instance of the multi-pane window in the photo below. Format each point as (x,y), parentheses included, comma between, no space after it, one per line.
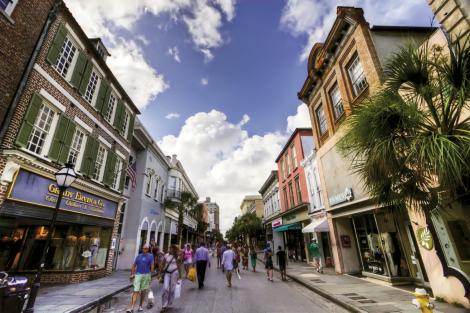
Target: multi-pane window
(125,122)
(299,192)
(111,104)
(91,87)
(155,193)
(40,130)
(356,74)
(99,163)
(149,185)
(294,156)
(117,173)
(291,195)
(284,192)
(321,118)
(335,97)
(288,163)
(66,57)
(76,147)
(283,169)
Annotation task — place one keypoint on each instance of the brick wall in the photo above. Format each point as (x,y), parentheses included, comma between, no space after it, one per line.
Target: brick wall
(18,37)
(454,16)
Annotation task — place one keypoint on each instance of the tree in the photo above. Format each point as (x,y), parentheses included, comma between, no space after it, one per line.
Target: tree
(186,204)
(410,143)
(247,227)
(198,213)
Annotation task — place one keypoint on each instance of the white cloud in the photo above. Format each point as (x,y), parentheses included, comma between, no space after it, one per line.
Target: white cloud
(228,7)
(172,115)
(204,81)
(300,120)
(175,53)
(230,163)
(143,39)
(314,18)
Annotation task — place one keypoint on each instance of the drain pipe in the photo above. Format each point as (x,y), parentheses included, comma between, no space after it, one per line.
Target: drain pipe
(26,73)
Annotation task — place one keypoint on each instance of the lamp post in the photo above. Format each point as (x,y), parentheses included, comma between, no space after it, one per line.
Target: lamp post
(64,178)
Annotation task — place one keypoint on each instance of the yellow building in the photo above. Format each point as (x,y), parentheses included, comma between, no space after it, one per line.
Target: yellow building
(252,204)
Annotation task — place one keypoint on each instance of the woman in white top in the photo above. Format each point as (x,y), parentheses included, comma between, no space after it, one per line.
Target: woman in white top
(171,271)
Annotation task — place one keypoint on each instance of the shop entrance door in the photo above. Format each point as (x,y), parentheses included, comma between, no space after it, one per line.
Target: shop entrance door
(416,260)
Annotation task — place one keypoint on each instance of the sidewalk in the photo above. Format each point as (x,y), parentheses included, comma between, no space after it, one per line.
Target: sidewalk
(79,297)
(358,294)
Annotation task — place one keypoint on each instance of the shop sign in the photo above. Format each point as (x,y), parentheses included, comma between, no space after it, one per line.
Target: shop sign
(297,217)
(345,196)
(424,238)
(35,189)
(277,222)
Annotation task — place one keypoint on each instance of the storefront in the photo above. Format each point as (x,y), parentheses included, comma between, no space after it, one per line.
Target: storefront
(318,229)
(294,240)
(82,241)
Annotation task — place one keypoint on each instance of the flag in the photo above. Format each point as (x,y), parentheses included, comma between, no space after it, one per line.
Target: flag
(132,172)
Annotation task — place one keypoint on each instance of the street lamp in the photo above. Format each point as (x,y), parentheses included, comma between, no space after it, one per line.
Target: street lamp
(64,178)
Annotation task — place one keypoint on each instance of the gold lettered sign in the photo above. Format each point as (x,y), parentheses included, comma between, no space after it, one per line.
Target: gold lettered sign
(424,238)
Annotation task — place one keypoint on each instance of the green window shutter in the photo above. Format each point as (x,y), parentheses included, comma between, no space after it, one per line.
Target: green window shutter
(62,140)
(89,157)
(131,127)
(79,69)
(123,175)
(103,94)
(56,47)
(119,114)
(110,167)
(86,77)
(28,121)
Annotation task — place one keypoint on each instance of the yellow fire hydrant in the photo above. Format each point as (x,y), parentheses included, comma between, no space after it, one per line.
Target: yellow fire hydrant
(422,301)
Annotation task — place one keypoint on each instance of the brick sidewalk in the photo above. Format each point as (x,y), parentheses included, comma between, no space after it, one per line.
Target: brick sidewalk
(79,297)
(358,294)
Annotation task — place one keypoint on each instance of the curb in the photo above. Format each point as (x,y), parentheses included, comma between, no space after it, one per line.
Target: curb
(322,293)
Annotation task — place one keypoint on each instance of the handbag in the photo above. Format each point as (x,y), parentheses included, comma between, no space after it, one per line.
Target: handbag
(192,274)
(178,289)
(162,277)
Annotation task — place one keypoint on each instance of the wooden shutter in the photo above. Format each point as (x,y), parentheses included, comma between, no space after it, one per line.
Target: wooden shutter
(56,46)
(86,77)
(123,175)
(103,97)
(131,127)
(119,114)
(110,168)
(62,140)
(28,121)
(79,69)
(89,157)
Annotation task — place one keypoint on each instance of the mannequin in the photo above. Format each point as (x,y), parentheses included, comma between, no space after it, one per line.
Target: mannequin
(81,247)
(389,248)
(373,240)
(94,246)
(70,243)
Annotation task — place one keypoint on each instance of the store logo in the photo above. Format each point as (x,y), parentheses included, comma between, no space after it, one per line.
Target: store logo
(346,196)
(424,238)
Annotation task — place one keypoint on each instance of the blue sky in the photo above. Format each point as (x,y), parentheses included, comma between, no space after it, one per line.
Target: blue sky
(251,55)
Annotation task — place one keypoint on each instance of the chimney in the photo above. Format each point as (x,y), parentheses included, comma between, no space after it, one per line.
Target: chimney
(100,48)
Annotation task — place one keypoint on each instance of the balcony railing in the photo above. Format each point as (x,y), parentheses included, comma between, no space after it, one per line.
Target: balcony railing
(173,194)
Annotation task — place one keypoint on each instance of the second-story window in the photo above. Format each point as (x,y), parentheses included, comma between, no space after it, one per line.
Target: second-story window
(356,75)
(110,108)
(294,156)
(321,118)
(65,57)
(41,129)
(335,97)
(99,164)
(91,87)
(299,191)
(291,196)
(76,148)
(117,173)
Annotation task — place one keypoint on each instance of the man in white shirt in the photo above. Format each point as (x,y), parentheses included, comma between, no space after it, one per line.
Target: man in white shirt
(227,263)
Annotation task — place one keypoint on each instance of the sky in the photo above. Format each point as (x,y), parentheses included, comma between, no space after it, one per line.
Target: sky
(217,80)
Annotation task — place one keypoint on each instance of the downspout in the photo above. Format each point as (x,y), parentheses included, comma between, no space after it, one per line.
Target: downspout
(27,72)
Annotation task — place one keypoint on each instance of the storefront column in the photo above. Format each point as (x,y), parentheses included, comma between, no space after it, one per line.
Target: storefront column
(162,235)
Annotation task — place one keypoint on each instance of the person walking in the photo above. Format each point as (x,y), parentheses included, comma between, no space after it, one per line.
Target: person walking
(282,262)
(253,257)
(218,252)
(171,270)
(188,254)
(314,250)
(141,274)
(269,265)
(236,261)
(245,257)
(202,262)
(228,260)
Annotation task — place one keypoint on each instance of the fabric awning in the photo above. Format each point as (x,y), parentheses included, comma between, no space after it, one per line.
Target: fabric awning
(317,226)
(288,227)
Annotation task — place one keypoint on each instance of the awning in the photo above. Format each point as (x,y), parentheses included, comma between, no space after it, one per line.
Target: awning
(288,227)
(317,226)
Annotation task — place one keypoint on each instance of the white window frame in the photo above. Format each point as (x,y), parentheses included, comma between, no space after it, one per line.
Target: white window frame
(10,7)
(127,118)
(113,112)
(148,186)
(103,165)
(97,87)
(68,75)
(78,162)
(50,134)
(157,185)
(336,102)
(293,156)
(117,173)
(322,131)
(358,83)
(288,163)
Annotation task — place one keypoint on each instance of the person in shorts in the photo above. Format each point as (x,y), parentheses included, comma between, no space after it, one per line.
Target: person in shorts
(282,262)
(141,274)
(268,259)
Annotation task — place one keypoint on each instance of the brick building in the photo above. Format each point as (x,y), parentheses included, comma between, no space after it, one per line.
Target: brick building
(72,110)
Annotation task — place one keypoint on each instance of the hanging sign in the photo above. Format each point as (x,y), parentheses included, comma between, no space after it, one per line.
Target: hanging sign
(424,238)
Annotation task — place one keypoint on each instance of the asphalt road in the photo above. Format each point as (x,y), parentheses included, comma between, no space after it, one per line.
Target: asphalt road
(252,294)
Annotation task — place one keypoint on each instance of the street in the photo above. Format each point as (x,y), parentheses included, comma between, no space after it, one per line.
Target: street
(252,294)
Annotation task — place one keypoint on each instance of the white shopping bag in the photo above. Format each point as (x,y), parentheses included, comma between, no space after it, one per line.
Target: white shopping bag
(150,296)
(238,274)
(178,289)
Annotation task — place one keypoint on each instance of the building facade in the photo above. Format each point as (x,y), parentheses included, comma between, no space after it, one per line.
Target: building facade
(272,208)
(453,15)
(145,186)
(213,212)
(252,204)
(293,192)
(72,110)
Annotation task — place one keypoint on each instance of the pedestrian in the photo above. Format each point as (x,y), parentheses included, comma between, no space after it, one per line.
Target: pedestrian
(172,273)
(188,254)
(218,252)
(228,260)
(222,250)
(157,258)
(253,257)
(282,262)
(202,262)
(236,261)
(314,250)
(245,257)
(141,274)
(269,265)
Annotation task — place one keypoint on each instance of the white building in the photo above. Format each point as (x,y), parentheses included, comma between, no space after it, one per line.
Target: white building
(272,208)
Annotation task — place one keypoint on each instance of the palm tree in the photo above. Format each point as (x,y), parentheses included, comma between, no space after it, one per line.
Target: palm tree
(185,205)
(410,143)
